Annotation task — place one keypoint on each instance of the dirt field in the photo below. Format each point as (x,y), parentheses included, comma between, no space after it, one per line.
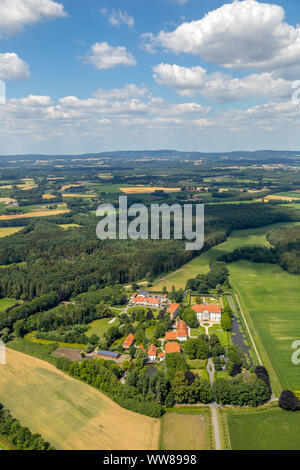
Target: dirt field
(146,190)
(34,214)
(68,413)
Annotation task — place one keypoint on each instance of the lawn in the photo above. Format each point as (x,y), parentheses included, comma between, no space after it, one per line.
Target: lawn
(270,429)
(189,430)
(69,414)
(6,303)
(99,327)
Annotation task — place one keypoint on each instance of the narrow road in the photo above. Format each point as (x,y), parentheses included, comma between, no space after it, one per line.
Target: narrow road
(214,406)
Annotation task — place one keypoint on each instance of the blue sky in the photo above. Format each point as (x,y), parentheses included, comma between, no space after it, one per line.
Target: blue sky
(207,75)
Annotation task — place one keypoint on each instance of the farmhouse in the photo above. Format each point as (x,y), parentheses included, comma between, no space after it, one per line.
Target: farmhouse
(152,353)
(172,348)
(182,330)
(173,310)
(161,356)
(128,341)
(181,333)
(208,312)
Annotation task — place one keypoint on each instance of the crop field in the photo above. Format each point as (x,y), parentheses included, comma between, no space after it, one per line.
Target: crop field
(148,190)
(269,429)
(70,414)
(186,431)
(44,213)
(6,231)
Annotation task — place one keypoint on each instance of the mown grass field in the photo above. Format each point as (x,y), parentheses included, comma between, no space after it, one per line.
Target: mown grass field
(68,413)
(269,429)
(187,431)
(99,327)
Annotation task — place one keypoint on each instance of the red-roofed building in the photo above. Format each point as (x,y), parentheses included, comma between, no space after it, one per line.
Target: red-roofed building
(208,312)
(152,353)
(173,310)
(128,341)
(161,356)
(142,347)
(182,331)
(149,301)
(172,348)
(170,336)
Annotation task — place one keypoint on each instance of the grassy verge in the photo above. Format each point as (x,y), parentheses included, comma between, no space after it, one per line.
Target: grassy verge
(41,351)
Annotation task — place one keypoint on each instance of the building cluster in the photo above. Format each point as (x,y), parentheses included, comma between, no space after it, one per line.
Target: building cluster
(145,300)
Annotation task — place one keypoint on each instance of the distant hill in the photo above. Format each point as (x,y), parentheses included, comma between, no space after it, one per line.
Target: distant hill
(271,156)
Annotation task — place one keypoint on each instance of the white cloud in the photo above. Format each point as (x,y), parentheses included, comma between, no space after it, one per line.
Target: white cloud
(103,56)
(242,34)
(221,87)
(16,14)
(118,17)
(12,67)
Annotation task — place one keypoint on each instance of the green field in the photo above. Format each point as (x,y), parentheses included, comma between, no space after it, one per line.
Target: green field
(270,298)
(270,429)
(6,303)
(188,429)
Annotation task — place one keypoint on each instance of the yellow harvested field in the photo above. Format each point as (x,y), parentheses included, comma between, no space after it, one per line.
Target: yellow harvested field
(68,413)
(26,187)
(34,214)
(6,231)
(8,186)
(148,190)
(48,196)
(281,198)
(7,199)
(67,186)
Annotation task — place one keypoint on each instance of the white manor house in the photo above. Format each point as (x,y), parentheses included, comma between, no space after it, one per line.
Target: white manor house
(208,312)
